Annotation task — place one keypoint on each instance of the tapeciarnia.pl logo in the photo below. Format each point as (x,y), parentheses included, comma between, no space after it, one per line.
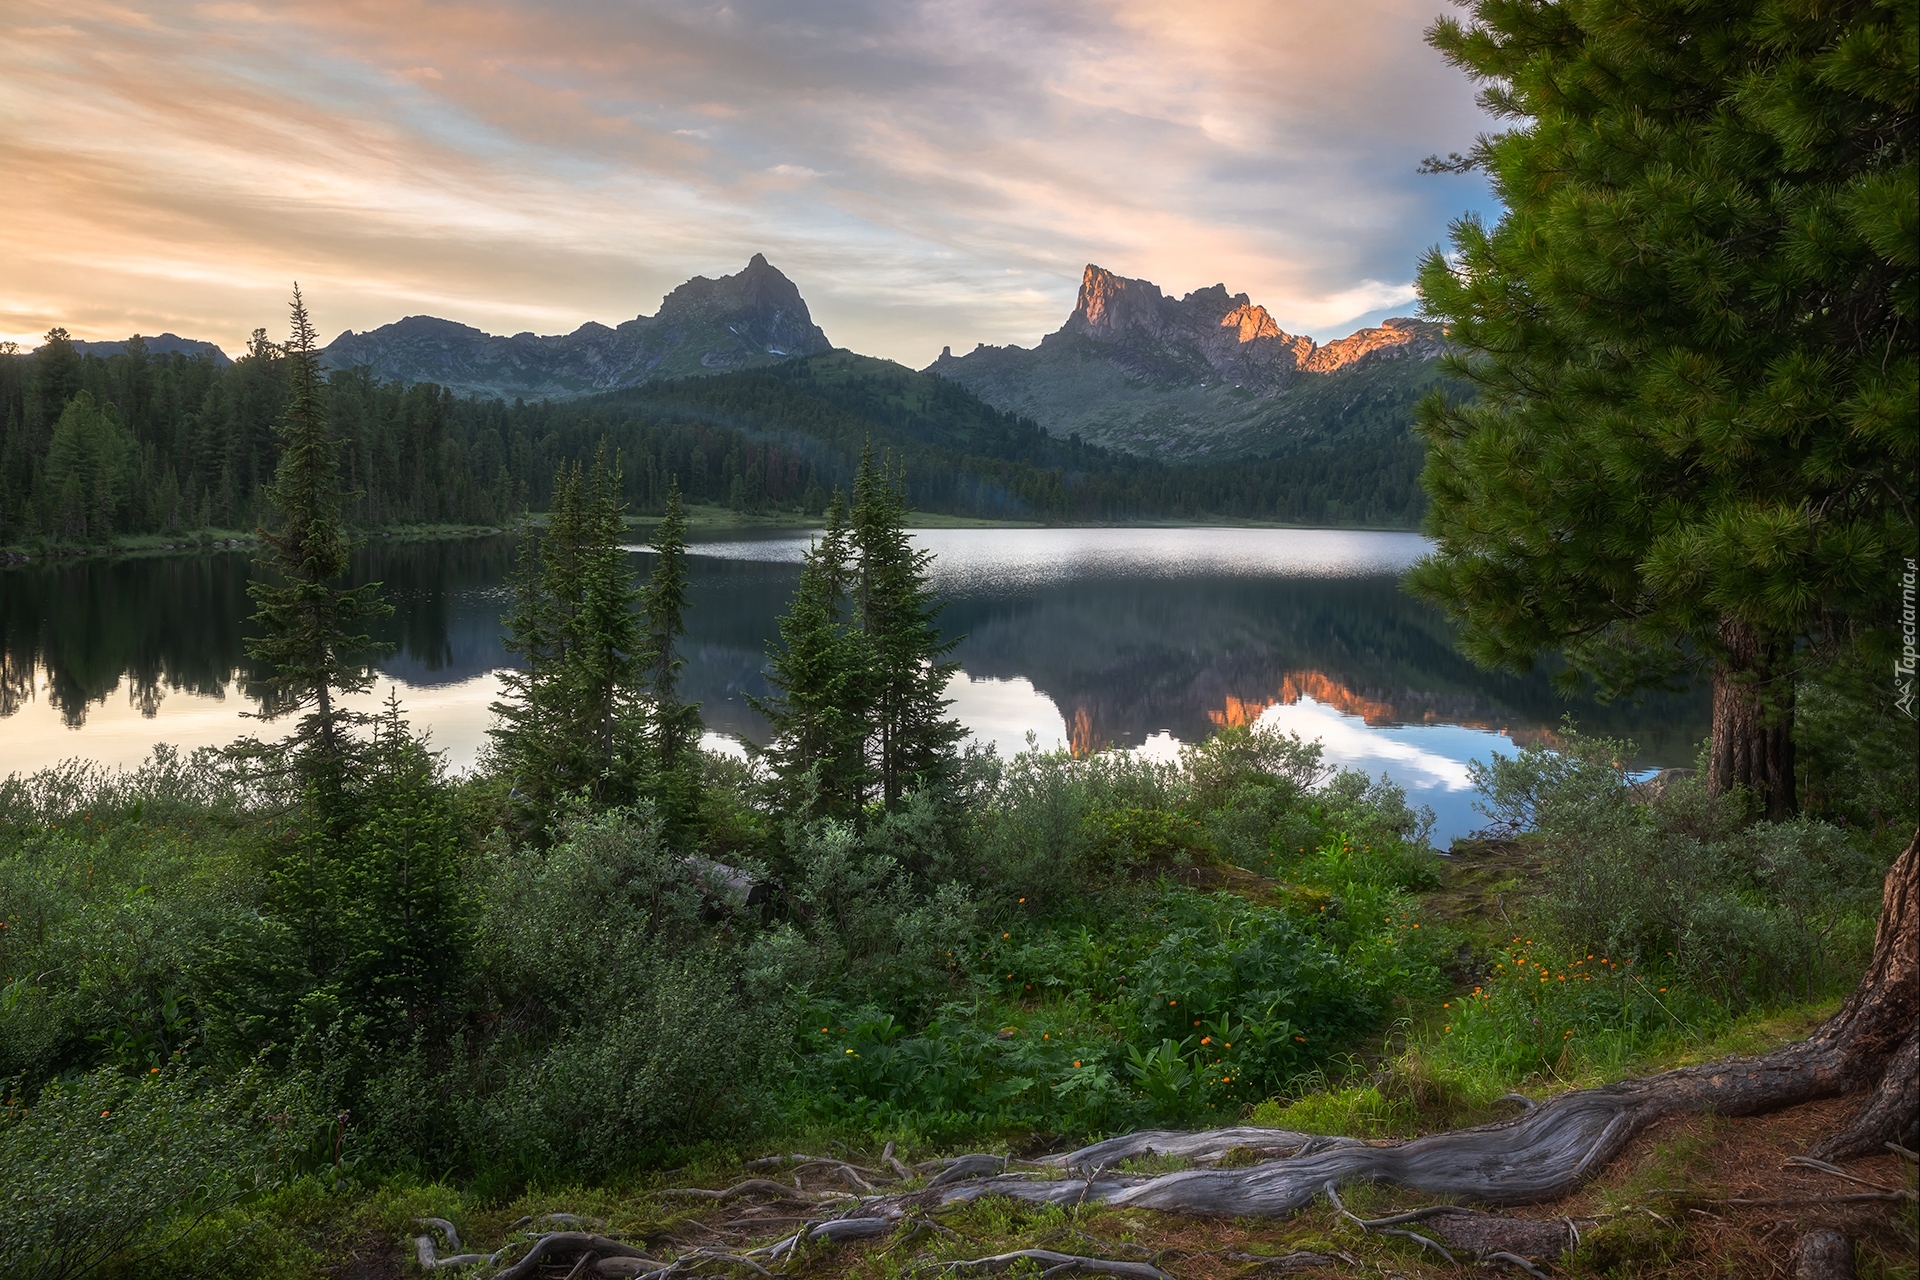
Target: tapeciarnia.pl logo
(1904,664)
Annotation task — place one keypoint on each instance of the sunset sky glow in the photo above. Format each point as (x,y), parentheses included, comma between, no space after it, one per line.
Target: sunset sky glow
(929,173)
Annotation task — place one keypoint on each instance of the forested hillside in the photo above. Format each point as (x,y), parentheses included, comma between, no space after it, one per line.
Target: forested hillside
(137,443)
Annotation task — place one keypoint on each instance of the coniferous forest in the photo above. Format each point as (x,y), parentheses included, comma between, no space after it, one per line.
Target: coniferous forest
(98,447)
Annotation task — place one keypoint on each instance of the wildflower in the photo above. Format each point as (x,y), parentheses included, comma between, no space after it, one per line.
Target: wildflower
(1076,1062)
(1301,1039)
(1206,1039)
(1447,1005)
(1006,935)
(103,1115)
(1173,1002)
(1448,1027)
(1023,899)
(153,1071)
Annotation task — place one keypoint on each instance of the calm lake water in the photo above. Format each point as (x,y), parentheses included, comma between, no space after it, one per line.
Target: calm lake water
(1088,638)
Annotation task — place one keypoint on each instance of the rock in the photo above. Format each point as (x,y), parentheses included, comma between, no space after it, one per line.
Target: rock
(1484,1233)
(1824,1254)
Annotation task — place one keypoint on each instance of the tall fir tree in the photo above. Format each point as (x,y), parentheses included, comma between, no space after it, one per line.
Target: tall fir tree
(911,741)
(1692,334)
(818,711)
(859,713)
(573,718)
(673,726)
(311,638)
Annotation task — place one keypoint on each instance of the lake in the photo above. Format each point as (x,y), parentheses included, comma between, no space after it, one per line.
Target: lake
(1081,638)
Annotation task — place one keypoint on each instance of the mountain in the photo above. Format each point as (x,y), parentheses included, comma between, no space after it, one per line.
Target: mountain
(1207,376)
(740,321)
(165,345)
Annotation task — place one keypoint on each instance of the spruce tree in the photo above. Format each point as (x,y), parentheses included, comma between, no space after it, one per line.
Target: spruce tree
(1692,334)
(859,713)
(572,720)
(673,727)
(818,712)
(310,625)
(911,742)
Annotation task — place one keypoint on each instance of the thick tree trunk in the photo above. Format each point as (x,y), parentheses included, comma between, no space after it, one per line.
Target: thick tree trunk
(1872,1046)
(1753,719)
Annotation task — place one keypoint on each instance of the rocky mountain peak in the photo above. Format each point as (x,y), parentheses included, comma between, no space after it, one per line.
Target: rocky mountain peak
(751,317)
(1141,370)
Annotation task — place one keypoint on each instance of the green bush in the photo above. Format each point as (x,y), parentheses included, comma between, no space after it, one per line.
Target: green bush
(106,1164)
(1683,884)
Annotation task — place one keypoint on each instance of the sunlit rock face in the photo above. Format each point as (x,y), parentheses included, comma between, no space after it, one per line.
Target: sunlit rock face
(1207,374)
(754,317)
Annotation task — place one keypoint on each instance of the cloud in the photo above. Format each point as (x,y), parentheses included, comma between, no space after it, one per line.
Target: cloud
(930,173)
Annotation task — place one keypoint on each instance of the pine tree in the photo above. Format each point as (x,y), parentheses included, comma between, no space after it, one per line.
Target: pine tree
(911,742)
(573,719)
(89,466)
(310,625)
(1692,334)
(403,918)
(860,709)
(673,727)
(818,713)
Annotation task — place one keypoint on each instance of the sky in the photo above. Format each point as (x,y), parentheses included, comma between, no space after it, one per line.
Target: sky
(929,172)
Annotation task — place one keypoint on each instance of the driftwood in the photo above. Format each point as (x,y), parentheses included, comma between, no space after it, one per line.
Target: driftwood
(751,1187)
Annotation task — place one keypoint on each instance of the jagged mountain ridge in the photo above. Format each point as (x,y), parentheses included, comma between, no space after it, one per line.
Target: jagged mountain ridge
(1208,374)
(164,344)
(754,317)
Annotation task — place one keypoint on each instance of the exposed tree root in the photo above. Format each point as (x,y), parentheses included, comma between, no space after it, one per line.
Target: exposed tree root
(1872,1043)
(1055,1264)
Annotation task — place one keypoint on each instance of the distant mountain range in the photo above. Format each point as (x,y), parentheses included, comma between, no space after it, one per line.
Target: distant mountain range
(165,345)
(1207,375)
(756,317)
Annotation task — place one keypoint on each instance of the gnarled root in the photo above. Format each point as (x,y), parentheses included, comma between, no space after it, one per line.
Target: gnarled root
(1549,1150)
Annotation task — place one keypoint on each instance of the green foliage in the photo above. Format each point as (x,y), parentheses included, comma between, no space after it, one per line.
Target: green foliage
(107,1162)
(817,714)
(88,468)
(626,1021)
(1681,883)
(1693,337)
(674,729)
(860,709)
(573,720)
(308,639)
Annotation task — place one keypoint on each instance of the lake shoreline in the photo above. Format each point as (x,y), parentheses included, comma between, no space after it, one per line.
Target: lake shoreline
(701,521)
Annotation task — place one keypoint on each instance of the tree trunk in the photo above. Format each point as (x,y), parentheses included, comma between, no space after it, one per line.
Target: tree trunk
(1753,719)
(1872,1045)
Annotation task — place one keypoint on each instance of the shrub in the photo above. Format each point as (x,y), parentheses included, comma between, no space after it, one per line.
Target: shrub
(105,1164)
(1683,883)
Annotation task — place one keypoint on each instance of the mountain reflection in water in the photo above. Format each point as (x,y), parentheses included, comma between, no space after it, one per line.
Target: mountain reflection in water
(1087,638)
